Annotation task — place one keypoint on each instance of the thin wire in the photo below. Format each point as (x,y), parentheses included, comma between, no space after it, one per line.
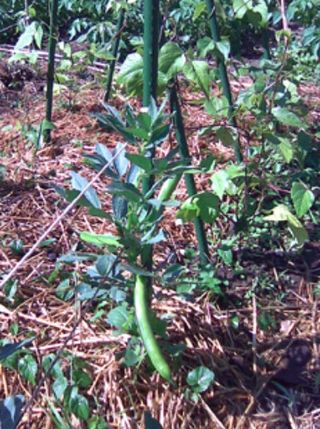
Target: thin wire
(59,218)
(14,270)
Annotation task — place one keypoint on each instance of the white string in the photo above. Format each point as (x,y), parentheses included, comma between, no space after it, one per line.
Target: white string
(59,218)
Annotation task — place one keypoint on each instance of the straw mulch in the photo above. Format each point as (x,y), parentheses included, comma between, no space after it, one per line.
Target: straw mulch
(247,361)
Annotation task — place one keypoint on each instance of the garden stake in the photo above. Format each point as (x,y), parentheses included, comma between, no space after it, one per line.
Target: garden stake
(143,285)
(214,27)
(50,73)
(265,43)
(190,184)
(115,49)
(151,14)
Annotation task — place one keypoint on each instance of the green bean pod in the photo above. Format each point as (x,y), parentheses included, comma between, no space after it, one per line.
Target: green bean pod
(147,335)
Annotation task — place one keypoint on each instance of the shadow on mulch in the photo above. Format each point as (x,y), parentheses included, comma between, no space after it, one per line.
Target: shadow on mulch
(304,264)
(265,389)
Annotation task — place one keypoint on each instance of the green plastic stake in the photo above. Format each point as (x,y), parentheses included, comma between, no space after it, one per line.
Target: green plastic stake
(190,184)
(115,49)
(214,27)
(53,35)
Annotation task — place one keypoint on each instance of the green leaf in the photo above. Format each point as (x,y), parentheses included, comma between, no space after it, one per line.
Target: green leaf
(38,36)
(131,74)
(220,182)
(59,386)
(198,72)
(224,48)
(141,161)
(100,239)
(28,368)
(199,10)
(121,163)
(200,379)
(56,371)
(65,290)
(228,136)
(81,378)
(205,45)
(8,349)
(16,247)
(188,211)
(205,205)
(261,8)
(282,213)
(80,407)
(286,117)
(240,7)
(302,198)
(127,190)
(287,150)
(120,318)
(134,352)
(208,205)
(217,106)
(79,183)
(26,37)
(10,411)
(150,422)
(97,422)
(171,59)
(59,422)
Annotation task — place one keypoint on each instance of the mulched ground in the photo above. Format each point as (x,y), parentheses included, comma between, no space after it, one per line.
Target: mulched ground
(250,365)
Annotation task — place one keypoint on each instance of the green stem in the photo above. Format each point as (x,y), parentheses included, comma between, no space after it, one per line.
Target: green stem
(115,48)
(53,35)
(189,179)
(214,27)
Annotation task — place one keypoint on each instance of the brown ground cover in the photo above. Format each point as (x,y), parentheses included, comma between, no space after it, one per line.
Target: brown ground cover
(247,362)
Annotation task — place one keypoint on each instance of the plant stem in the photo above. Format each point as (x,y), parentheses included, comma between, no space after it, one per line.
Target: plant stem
(214,27)
(189,179)
(53,35)
(115,49)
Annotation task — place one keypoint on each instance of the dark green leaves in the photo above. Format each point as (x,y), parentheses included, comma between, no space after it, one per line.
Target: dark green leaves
(150,422)
(200,379)
(205,205)
(28,368)
(282,213)
(100,239)
(286,117)
(127,190)
(9,349)
(171,59)
(302,198)
(79,183)
(77,403)
(121,318)
(10,411)
(198,72)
